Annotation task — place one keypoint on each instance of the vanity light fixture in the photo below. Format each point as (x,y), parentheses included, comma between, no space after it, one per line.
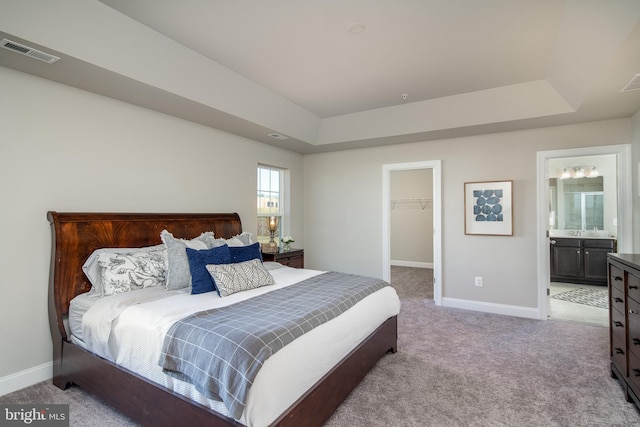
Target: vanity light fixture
(580,172)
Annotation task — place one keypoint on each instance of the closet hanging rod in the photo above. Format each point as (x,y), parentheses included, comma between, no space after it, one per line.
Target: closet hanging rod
(409,203)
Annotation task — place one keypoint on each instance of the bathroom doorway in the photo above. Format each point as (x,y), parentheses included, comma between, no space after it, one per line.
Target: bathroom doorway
(583,210)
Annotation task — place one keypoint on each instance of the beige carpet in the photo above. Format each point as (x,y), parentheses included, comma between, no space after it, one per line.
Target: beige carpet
(412,282)
(454,368)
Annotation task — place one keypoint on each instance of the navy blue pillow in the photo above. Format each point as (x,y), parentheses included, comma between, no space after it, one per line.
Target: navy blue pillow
(201,280)
(245,253)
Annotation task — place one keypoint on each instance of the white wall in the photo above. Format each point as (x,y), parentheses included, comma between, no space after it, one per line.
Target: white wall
(68,150)
(343,232)
(412,221)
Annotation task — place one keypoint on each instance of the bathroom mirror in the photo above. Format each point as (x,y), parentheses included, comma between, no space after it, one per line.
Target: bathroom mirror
(581,200)
(578,203)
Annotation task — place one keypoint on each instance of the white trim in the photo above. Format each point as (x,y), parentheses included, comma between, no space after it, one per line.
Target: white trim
(625,207)
(415,264)
(489,307)
(435,165)
(26,378)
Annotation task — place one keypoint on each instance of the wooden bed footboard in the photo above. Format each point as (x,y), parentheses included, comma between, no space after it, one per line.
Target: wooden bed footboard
(76,235)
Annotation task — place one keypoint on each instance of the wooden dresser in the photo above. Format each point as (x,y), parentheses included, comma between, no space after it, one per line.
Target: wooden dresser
(624,322)
(292,258)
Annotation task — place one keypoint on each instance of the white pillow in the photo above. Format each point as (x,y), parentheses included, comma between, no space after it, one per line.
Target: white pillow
(93,271)
(241,276)
(243,239)
(124,272)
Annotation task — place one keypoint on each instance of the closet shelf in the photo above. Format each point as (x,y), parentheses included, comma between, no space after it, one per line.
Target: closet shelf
(411,203)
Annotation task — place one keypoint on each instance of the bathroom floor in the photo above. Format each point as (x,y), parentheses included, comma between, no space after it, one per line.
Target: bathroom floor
(573,312)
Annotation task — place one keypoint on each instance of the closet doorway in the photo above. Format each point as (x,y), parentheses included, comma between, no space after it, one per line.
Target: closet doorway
(412,220)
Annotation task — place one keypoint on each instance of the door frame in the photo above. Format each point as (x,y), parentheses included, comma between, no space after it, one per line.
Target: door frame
(625,207)
(435,166)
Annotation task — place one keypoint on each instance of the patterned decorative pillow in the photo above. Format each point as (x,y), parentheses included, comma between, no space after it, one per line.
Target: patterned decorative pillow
(240,276)
(93,270)
(124,272)
(178,274)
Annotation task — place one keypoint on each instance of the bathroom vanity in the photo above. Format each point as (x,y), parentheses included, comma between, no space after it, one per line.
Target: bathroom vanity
(580,259)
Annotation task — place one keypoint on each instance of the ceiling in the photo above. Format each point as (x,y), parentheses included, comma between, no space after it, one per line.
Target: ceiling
(419,70)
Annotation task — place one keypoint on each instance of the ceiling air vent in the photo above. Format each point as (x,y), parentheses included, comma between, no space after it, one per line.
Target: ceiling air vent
(634,84)
(278,136)
(28,51)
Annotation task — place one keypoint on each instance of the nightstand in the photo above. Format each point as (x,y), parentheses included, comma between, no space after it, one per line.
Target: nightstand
(293,258)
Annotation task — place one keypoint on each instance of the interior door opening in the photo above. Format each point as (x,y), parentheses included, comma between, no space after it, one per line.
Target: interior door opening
(583,212)
(435,203)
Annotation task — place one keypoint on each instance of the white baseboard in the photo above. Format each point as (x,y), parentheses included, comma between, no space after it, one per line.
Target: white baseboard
(488,307)
(416,264)
(26,378)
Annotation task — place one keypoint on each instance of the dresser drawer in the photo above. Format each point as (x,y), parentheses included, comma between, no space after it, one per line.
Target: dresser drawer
(633,286)
(634,373)
(599,243)
(617,299)
(292,258)
(618,325)
(616,277)
(293,261)
(619,354)
(633,321)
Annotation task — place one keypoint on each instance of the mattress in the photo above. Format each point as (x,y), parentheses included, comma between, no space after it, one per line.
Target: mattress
(135,331)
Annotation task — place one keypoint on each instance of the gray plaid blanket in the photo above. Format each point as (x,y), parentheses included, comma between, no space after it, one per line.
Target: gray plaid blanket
(220,351)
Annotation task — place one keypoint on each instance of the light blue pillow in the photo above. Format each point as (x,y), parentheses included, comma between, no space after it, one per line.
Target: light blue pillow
(178,272)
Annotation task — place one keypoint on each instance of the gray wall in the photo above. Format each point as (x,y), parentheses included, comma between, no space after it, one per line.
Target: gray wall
(507,264)
(68,150)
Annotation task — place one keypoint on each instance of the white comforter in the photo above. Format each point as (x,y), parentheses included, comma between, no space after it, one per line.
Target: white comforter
(130,328)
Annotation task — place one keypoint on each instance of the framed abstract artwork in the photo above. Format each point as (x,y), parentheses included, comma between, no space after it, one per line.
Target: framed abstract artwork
(488,208)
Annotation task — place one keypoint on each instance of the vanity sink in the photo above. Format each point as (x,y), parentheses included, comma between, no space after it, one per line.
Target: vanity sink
(575,234)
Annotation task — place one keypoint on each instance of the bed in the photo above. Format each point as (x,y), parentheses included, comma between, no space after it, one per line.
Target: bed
(75,236)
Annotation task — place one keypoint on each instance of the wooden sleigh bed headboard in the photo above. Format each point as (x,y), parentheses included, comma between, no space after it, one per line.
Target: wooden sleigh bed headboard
(76,235)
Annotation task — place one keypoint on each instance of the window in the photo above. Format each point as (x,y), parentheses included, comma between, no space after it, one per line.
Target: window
(270,200)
